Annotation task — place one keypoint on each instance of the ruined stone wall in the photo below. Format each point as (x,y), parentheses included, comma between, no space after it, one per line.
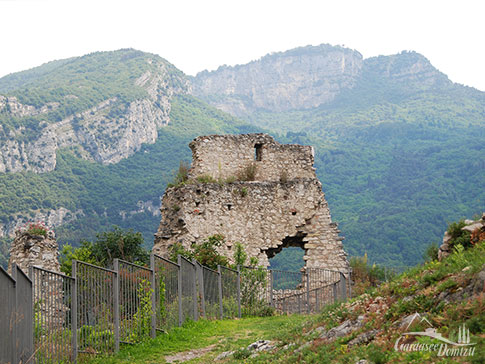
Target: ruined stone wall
(226,156)
(29,250)
(264,215)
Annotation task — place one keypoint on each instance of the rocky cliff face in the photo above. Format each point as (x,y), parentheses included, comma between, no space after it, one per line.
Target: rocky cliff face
(301,78)
(108,132)
(51,218)
(304,78)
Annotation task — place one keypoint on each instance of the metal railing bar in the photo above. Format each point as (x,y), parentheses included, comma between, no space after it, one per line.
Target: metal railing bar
(96,267)
(134,265)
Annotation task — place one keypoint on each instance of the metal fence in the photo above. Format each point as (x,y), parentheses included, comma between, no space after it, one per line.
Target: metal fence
(229,286)
(54,336)
(166,298)
(55,318)
(16,317)
(291,292)
(97,308)
(134,301)
(210,283)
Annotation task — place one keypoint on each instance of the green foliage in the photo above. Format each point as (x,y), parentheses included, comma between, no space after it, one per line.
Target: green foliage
(181,176)
(431,252)
(392,153)
(289,259)
(103,191)
(4,248)
(241,354)
(459,237)
(204,252)
(117,243)
(143,316)
(253,284)
(121,244)
(206,179)
(83,253)
(240,255)
(35,228)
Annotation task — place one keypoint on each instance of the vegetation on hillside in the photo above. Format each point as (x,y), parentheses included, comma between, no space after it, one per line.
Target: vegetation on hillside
(102,192)
(398,158)
(449,295)
(78,84)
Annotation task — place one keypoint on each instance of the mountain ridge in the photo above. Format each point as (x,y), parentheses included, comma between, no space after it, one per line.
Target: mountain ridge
(368,143)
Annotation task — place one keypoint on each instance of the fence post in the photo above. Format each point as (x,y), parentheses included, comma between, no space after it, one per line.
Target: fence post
(13,316)
(271,301)
(31,276)
(116,304)
(200,280)
(179,282)
(153,332)
(74,311)
(194,289)
(334,289)
(239,291)
(307,292)
(343,286)
(219,281)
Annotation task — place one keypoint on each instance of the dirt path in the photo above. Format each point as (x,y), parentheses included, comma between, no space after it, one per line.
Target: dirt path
(188,355)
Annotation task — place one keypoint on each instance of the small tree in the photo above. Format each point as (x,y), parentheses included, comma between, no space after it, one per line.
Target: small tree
(205,252)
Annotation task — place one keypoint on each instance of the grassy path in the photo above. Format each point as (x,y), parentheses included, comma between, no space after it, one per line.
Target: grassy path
(220,336)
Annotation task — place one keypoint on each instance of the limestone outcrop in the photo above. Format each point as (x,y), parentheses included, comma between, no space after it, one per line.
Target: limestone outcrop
(281,81)
(477,227)
(282,205)
(108,132)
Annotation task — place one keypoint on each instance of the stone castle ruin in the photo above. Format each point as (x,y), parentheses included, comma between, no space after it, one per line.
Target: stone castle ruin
(28,250)
(256,191)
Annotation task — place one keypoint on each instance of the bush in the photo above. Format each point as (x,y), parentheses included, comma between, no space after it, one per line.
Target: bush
(459,236)
(205,252)
(431,252)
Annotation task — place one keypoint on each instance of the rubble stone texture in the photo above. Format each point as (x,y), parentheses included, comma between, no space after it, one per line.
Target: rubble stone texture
(29,250)
(283,206)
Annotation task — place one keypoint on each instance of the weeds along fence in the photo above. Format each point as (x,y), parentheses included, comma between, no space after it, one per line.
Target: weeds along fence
(48,317)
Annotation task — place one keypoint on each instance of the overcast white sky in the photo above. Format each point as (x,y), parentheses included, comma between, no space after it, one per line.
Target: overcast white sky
(203,34)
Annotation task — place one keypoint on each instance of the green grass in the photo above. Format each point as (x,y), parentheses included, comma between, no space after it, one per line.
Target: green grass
(226,335)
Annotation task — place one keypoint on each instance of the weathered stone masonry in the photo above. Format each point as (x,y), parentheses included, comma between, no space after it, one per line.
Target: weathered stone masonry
(283,206)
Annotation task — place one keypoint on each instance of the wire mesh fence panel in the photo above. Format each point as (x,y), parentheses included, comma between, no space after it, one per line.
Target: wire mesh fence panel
(189,294)
(289,291)
(211,293)
(166,293)
(255,291)
(7,317)
(229,279)
(95,309)
(53,317)
(135,302)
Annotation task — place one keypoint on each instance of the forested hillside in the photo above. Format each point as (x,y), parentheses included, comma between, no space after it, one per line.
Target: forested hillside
(398,147)
(400,153)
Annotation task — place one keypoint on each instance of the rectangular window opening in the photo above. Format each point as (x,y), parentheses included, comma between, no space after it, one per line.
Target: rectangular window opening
(258,152)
